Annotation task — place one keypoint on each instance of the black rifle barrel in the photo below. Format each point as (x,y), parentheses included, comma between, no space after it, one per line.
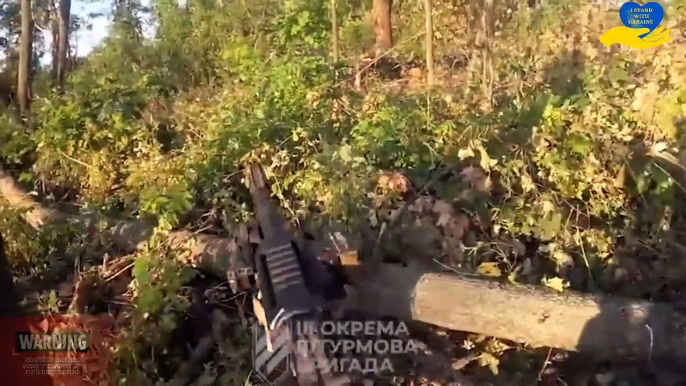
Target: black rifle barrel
(281,278)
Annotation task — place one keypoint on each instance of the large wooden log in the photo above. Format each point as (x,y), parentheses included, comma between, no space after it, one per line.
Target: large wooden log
(605,327)
(206,252)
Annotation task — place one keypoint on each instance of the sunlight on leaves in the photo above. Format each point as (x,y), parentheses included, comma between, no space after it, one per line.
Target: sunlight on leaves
(489,269)
(555,283)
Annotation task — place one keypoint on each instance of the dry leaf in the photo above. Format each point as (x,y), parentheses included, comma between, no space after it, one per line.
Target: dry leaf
(463,154)
(489,269)
(486,359)
(444,211)
(548,207)
(394,182)
(556,283)
(620,178)
(486,162)
(414,73)
(259,312)
(563,259)
(313,98)
(479,180)
(458,225)
(527,182)
(512,278)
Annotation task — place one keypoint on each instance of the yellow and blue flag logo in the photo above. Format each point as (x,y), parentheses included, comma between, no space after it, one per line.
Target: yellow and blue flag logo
(641,27)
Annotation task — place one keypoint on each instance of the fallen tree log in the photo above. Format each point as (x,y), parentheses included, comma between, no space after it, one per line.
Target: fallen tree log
(206,252)
(605,327)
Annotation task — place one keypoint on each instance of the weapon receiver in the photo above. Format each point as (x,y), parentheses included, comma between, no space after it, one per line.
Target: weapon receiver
(281,276)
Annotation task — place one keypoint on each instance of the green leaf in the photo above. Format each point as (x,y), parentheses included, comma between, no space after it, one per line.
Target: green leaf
(25,177)
(150,299)
(579,144)
(140,270)
(344,153)
(619,74)
(662,179)
(187,274)
(642,184)
(549,227)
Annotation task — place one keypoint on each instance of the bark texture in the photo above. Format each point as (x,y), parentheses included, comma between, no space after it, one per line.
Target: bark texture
(206,252)
(25,58)
(63,43)
(53,16)
(604,327)
(334,31)
(381,18)
(429,26)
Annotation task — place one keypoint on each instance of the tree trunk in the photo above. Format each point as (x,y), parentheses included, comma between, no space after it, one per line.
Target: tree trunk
(25,60)
(54,33)
(54,55)
(606,328)
(429,43)
(63,45)
(381,17)
(334,30)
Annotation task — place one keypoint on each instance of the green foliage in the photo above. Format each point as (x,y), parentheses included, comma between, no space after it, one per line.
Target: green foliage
(15,143)
(159,311)
(28,250)
(167,206)
(48,304)
(158,281)
(303,27)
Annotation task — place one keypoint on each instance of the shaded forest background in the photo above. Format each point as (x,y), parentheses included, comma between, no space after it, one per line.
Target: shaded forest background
(561,160)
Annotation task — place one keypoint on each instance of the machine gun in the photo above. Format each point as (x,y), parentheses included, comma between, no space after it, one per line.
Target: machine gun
(294,288)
